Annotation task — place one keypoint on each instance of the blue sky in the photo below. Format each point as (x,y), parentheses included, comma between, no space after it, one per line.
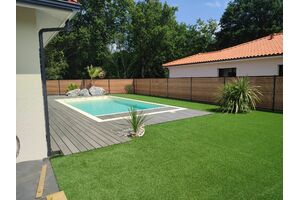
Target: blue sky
(190,10)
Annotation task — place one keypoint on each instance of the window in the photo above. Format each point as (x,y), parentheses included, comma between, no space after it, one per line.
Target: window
(280,70)
(227,72)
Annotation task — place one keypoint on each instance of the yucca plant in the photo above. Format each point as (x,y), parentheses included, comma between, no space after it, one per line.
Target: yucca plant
(239,96)
(136,121)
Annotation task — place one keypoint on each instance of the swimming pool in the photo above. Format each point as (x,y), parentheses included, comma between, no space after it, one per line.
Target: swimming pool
(111,107)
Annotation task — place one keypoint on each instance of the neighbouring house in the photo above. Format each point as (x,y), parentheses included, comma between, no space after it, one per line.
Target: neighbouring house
(31,17)
(260,57)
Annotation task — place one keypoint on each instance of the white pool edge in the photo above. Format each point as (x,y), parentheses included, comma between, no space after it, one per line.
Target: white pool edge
(63,101)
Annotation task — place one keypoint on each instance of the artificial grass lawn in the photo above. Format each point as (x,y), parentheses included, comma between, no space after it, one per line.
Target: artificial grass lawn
(218,156)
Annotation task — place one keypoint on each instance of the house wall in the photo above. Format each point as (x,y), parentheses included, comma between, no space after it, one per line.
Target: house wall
(30,110)
(30,106)
(267,66)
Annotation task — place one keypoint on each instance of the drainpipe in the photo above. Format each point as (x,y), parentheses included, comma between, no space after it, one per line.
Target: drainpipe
(67,27)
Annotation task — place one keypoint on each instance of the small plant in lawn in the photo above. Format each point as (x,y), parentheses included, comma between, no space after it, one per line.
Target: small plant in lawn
(129,89)
(239,96)
(95,72)
(72,86)
(136,122)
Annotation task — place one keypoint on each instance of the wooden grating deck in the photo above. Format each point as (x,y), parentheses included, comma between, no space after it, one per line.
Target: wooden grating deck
(72,132)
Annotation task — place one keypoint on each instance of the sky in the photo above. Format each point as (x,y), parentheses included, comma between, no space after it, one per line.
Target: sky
(191,10)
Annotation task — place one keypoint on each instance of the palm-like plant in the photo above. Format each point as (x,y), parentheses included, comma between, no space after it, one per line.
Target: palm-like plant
(95,72)
(239,96)
(136,121)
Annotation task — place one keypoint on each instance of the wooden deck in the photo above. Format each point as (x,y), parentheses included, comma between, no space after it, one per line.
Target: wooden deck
(72,132)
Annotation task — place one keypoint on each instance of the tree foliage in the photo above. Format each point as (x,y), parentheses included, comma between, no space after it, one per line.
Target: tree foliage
(133,39)
(245,20)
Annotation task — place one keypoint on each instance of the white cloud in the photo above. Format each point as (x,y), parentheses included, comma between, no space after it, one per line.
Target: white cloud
(214,4)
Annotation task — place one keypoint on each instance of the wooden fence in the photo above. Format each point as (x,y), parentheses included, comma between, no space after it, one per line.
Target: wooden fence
(193,89)
(207,89)
(112,86)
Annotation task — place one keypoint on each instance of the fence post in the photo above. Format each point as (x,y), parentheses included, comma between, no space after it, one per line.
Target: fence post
(83,83)
(191,88)
(274,93)
(167,87)
(133,85)
(58,87)
(224,80)
(108,82)
(150,86)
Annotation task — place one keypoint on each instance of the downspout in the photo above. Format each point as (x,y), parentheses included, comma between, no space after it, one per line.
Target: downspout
(67,27)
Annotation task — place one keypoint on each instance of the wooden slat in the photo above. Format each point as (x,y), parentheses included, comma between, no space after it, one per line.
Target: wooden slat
(279,94)
(52,87)
(41,183)
(206,89)
(117,86)
(86,122)
(82,129)
(159,87)
(179,88)
(142,86)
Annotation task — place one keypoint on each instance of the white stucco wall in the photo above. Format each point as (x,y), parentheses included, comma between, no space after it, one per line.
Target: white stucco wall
(30,110)
(30,106)
(249,67)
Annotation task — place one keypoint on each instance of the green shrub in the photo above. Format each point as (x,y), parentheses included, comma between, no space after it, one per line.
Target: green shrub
(129,89)
(72,86)
(239,96)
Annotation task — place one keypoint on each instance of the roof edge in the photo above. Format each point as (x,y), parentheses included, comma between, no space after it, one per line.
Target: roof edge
(233,59)
(238,45)
(63,5)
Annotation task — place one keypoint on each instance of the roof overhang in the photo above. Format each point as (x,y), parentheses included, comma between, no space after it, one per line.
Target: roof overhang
(50,13)
(57,4)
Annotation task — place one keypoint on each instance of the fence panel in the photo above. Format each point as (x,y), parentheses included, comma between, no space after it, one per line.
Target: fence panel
(206,89)
(142,86)
(265,85)
(64,85)
(52,87)
(117,86)
(179,88)
(278,104)
(159,87)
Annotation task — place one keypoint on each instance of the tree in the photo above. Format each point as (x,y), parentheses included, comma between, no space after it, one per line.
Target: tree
(95,72)
(127,38)
(245,20)
(58,63)
(152,29)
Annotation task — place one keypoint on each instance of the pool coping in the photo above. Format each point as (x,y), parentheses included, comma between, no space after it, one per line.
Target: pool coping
(98,119)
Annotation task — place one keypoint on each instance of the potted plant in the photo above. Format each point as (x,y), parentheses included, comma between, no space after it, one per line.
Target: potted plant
(137,123)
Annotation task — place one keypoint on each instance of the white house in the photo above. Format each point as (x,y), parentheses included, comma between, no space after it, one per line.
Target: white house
(32,16)
(261,57)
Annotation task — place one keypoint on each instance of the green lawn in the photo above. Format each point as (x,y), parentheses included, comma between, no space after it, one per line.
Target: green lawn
(218,156)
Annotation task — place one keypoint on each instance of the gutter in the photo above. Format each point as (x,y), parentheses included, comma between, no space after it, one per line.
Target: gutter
(67,27)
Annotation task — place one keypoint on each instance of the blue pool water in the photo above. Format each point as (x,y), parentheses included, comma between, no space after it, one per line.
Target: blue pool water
(110,105)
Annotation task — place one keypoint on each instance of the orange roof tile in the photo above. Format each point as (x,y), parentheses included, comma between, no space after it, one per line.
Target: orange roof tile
(266,46)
